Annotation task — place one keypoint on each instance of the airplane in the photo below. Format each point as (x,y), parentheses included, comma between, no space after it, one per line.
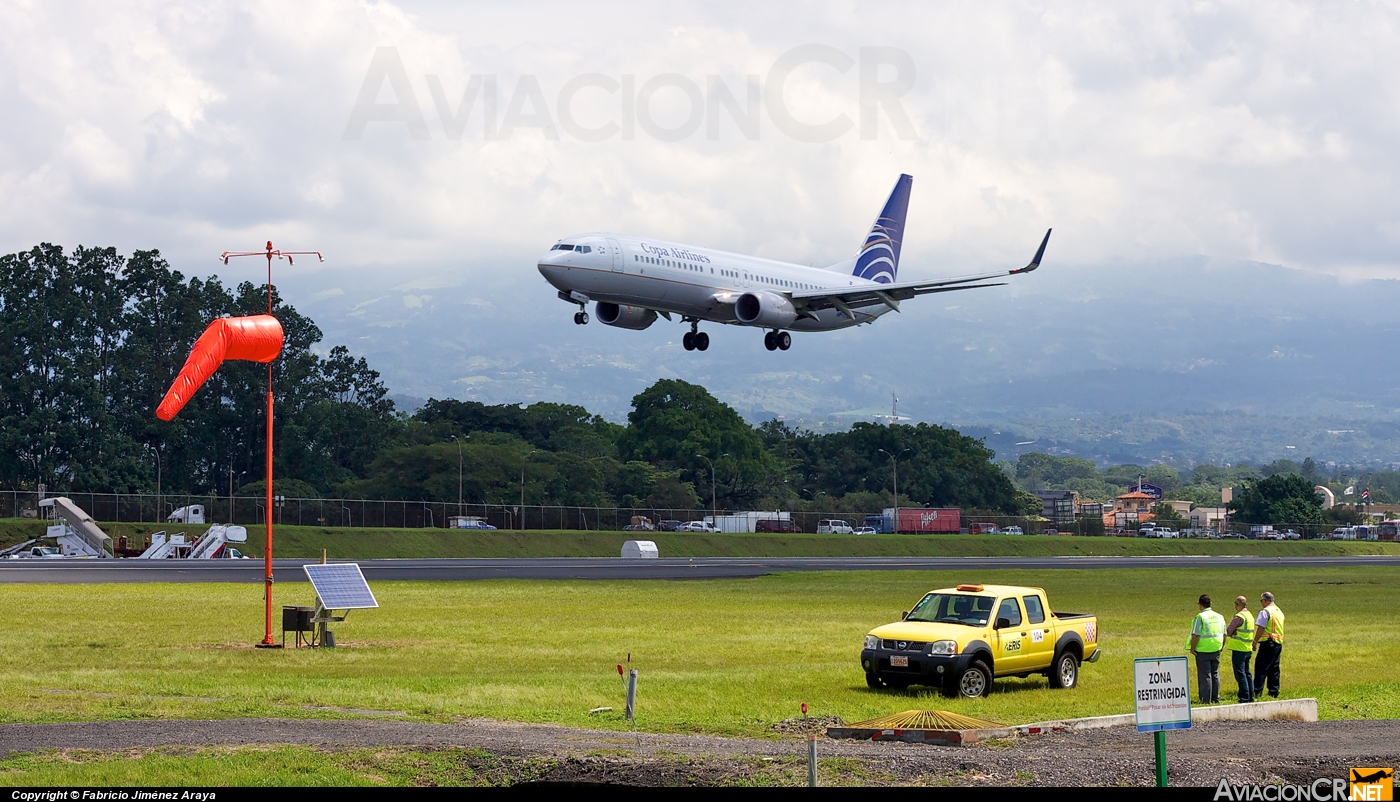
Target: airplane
(1375,777)
(632,280)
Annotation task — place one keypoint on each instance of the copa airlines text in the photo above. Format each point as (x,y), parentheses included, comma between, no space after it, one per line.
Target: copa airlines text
(633,280)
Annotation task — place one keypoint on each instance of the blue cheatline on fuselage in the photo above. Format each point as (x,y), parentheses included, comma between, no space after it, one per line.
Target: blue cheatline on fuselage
(634,279)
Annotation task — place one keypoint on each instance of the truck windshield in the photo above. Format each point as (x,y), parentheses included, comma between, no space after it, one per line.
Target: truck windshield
(949,608)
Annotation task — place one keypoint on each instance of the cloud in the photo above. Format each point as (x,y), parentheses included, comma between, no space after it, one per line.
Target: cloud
(1139,133)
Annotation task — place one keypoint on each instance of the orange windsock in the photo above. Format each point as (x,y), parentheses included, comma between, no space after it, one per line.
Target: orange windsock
(254,339)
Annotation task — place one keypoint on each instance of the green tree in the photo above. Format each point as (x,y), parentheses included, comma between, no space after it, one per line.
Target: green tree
(92,341)
(675,425)
(1281,499)
(1167,514)
(938,467)
(1037,471)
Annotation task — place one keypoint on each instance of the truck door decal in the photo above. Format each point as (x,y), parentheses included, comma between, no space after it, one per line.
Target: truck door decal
(1037,635)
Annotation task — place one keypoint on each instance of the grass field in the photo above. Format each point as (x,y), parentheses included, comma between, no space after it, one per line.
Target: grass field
(724,657)
(364,544)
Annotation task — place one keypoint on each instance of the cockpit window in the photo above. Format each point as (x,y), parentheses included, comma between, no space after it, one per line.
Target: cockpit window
(583,249)
(562,247)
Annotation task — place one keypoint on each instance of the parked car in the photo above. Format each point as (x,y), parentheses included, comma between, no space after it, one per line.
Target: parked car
(982,529)
(866,530)
(833,526)
(1013,530)
(1292,535)
(670,526)
(697,526)
(776,525)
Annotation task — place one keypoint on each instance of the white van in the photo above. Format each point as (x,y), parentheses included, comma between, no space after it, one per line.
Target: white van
(834,527)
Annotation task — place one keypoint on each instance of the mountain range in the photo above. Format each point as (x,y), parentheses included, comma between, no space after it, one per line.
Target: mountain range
(1183,360)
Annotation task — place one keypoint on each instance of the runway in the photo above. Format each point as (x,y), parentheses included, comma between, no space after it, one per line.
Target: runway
(289,570)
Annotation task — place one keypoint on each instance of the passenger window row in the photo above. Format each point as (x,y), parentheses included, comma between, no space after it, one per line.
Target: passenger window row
(652,260)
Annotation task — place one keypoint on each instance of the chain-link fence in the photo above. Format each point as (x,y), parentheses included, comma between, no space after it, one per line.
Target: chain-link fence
(249,511)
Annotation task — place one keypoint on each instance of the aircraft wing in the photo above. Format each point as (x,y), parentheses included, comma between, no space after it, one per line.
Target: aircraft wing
(891,294)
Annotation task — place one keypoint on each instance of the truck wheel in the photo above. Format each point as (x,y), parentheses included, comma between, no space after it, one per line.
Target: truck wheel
(872,680)
(1065,674)
(974,681)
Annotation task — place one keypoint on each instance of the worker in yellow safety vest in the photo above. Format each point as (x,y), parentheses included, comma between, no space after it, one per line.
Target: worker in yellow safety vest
(1268,641)
(1239,641)
(1207,641)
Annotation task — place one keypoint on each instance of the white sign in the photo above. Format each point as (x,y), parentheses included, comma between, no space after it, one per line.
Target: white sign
(1162,687)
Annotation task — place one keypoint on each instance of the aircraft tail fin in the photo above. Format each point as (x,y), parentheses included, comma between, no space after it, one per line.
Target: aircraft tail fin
(878,259)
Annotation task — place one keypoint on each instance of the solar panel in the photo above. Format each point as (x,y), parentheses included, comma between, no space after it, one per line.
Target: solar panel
(340,586)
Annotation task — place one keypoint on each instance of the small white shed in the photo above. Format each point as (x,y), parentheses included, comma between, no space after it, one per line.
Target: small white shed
(640,550)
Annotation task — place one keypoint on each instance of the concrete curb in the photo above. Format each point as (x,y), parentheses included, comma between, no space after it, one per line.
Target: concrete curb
(1273,710)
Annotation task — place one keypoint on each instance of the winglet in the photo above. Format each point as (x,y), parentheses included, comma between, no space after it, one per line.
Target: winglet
(1038,254)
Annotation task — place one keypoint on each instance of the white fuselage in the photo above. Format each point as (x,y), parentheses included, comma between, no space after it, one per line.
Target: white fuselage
(700,283)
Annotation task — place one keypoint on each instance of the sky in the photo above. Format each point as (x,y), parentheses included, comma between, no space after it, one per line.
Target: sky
(433,150)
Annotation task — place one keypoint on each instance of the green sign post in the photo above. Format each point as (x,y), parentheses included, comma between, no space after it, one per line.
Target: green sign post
(1162,691)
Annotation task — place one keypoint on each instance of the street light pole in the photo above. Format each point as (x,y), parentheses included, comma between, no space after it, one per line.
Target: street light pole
(714,507)
(894,462)
(459,474)
(522,490)
(714,513)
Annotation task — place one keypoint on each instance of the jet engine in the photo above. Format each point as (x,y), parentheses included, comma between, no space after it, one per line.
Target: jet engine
(625,317)
(765,309)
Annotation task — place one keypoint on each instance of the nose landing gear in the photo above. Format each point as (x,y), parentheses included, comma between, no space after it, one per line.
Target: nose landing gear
(777,340)
(580,318)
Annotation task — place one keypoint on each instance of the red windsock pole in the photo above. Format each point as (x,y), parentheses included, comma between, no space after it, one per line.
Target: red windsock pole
(269,252)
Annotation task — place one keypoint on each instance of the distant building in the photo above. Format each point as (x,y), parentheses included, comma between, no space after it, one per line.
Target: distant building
(1136,502)
(1182,508)
(1058,505)
(1208,517)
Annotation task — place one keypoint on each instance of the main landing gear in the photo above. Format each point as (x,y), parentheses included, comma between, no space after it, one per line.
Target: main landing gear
(695,340)
(580,318)
(777,340)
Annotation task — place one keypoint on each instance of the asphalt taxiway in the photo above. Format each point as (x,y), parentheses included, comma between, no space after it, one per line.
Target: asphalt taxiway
(99,571)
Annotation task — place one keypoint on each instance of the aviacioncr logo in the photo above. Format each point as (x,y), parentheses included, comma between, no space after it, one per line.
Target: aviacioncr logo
(882,76)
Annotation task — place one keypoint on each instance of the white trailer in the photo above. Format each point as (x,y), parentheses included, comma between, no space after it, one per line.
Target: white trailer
(741,522)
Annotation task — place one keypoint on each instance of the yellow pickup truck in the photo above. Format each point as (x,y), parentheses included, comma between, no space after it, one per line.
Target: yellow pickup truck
(952,640)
